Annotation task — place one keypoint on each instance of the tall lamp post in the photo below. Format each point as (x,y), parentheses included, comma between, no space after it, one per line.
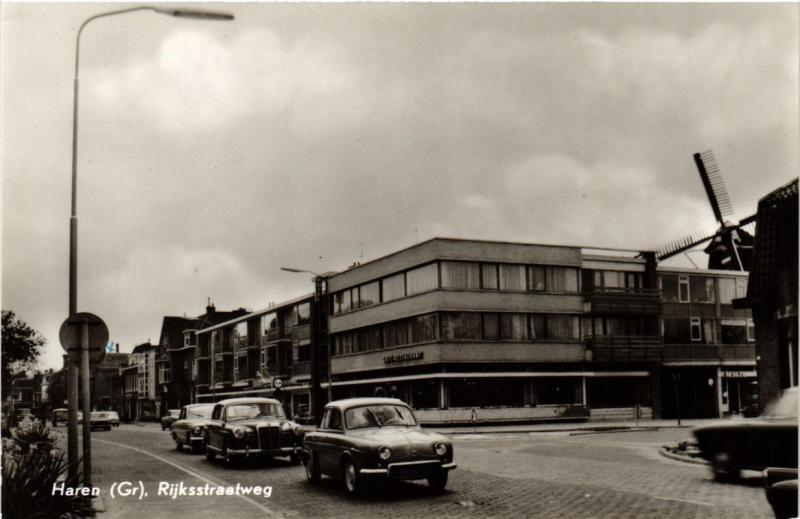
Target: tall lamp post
(318,316)
(72,368)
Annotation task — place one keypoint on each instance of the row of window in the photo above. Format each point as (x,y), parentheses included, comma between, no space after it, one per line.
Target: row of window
(462,275)
(677,288)
(472,326)
(708,331)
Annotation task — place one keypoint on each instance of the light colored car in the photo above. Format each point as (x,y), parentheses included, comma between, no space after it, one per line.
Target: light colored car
(362,439)
(189,428)
(114,418)
(100,420)
(167,419)
(59,416)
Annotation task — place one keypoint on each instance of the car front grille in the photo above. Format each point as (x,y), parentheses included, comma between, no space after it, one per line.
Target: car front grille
(270,437)
(252,439)
(413,470)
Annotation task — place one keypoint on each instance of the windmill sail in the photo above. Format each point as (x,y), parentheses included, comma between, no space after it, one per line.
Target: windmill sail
(714,185)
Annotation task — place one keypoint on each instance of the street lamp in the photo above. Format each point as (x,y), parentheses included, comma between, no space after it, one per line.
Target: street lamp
(72,441)
(318,317)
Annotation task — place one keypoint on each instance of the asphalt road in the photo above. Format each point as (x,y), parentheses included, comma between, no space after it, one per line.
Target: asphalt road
(618,475)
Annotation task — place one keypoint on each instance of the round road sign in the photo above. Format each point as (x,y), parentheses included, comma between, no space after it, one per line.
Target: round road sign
(70,336)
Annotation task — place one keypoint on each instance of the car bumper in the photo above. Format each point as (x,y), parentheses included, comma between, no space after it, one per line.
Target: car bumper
(247,452)
(410,469)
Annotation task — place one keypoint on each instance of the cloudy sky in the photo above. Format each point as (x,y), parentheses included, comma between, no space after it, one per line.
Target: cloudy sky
(312,136)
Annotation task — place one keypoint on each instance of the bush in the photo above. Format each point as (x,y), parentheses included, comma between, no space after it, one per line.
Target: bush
(33,434)
(27,487)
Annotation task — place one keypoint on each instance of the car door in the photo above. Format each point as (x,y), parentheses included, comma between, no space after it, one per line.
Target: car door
(330,445)
(179,426)
(215,427)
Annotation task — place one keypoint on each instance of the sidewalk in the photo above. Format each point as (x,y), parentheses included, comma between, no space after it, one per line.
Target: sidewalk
(587,427)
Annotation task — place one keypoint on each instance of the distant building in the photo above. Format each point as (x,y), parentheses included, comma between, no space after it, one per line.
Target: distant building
(141,400)
(104,378)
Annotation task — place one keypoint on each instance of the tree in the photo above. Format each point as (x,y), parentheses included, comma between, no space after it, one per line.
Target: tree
(21,347)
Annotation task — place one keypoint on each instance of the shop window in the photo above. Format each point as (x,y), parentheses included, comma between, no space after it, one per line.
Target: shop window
(425,394)
(485,392)
(489,279)
(557,391)
(514,327)
(422,279)
(683,289)
(604,393)
(537,278)
(701,289)
(669,288)
(394,287)
(512,277)
(695,329)
(461,274)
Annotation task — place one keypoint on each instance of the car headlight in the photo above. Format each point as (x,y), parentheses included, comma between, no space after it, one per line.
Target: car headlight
(384,453)
(440,449)
(298,430)
(239,433)
(196,430)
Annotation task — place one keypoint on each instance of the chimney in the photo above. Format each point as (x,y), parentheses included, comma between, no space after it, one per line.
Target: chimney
(210,308)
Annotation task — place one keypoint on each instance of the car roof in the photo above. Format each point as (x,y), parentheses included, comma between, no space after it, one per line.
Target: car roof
(60,409)
(248,400)
(358,402)
(198,405)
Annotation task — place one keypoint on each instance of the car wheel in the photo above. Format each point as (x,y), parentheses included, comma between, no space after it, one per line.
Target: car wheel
(295,459)
(439,480)
(210,455)
(178,445)
(352,482)
(723,467)
(312,469)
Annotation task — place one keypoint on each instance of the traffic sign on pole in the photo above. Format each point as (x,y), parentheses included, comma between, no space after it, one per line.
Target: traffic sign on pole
(70,336)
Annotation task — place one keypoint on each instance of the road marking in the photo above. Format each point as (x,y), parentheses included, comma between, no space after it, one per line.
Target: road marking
(701,503)
(206,479)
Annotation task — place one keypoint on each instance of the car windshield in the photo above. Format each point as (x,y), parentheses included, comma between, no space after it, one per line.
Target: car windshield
(203,411)
(253,410)
(784,407)
(174,413)
(379,416)
(97,414)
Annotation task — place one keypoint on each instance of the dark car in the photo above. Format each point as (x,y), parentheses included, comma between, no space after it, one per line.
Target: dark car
(781,488)
(252,427)
(167,419)
(755,444)
(362,439)
(189,429)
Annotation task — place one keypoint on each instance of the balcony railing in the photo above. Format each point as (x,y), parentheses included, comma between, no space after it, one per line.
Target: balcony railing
(624,300)
(625,348)
(709,352)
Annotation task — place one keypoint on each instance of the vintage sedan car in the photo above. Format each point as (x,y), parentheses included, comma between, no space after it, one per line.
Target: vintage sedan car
(252,427)
(114,416)
(59,416)
(363,439)
(100,420)
(755,443)
(189,428)
(167,419)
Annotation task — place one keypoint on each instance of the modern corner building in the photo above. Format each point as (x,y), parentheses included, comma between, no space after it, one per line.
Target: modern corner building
(469,330)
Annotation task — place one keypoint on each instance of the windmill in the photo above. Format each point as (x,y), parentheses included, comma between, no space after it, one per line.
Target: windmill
(731,246)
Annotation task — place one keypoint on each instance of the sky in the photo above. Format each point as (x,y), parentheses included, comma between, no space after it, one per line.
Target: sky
(210,154)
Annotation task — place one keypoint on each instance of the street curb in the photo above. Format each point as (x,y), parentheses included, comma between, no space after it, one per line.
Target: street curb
(677,457)
(587,430)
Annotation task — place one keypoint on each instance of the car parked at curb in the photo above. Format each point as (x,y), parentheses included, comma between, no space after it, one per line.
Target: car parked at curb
(189,429)
(114,417)
(361,440)
(167,419)
(59,416)
(252,428)
(754,444)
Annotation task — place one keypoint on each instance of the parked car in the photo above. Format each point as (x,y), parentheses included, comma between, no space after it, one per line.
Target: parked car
(757,443)
(362,439)
(189,428)
(781,489)
(167,419)
(252,427)
(114,416)
(59,416)
(303,416)
(100,420)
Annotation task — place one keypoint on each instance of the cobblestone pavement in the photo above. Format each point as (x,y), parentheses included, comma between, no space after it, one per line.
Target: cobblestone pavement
(614,475)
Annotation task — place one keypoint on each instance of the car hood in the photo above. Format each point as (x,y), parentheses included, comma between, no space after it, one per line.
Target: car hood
(192,422)
(743,424)
(258,423)
(404,442)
